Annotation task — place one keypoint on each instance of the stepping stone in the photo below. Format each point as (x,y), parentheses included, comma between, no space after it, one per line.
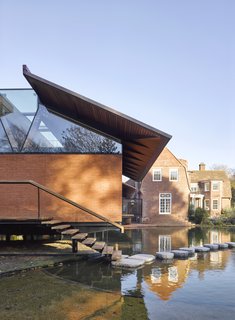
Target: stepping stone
(142,256)
(80,236)
(99,245)
(190,250)
(201,249)
(231,244)
(128,263)
(211,246)
(164,255)
(89,241)
(222,245)
(180,254)
(61,227)
(70,232)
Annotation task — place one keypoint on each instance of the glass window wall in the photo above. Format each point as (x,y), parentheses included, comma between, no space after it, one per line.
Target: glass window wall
(28,127)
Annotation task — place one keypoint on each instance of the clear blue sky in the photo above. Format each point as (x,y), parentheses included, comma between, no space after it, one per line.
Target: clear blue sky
(169,63)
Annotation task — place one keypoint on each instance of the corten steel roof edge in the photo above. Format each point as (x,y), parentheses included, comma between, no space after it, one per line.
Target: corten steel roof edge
(142,144)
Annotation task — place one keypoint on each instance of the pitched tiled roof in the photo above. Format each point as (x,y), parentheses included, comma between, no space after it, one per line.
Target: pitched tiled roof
(206,175)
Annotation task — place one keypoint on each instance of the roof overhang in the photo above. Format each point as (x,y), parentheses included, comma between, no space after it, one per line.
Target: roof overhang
(141,143)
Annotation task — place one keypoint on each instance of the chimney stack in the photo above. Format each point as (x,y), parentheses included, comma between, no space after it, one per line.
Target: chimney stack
(202,166)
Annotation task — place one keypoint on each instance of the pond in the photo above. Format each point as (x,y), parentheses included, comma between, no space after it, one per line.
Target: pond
(201,287)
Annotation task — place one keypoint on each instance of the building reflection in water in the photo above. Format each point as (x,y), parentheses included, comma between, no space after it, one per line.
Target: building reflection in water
(156,275)
(167,278)
(163,279)
(164,243)
(198,236)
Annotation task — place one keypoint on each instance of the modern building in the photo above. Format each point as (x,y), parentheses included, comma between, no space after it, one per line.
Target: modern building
(62,155)
(210,189)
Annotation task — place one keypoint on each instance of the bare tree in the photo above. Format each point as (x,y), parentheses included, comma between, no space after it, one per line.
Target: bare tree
(82,140)
(229,171)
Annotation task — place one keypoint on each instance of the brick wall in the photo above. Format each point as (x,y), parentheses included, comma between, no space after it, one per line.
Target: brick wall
(178,189)
(93,181)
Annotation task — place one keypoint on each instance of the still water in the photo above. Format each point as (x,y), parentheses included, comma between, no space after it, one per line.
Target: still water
(202,287)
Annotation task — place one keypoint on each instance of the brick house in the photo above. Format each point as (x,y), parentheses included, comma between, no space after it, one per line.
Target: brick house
(165,191)
(169,188)
(210,189)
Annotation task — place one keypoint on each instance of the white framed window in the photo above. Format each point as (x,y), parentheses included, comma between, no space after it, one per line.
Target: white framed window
(165,203)
(207,204)
(215,204)
(207,186)
(157,174)
(173,174)
(215,185)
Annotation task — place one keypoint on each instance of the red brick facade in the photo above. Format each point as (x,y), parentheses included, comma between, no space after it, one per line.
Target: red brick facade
(93,181)
(178,190)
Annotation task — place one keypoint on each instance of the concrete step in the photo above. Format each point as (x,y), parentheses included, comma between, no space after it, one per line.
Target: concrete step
(70,232)
(89,241)
(51,222)
(61,227)
(99,245)
(80,236)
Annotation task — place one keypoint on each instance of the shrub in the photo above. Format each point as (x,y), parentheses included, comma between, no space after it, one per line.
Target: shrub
(191,213)
(201,216)
(227,217)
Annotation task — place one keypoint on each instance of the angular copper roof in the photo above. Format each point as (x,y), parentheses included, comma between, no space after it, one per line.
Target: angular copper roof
(141,143)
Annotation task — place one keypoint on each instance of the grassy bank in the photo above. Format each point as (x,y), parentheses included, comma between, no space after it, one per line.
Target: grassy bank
(39,296)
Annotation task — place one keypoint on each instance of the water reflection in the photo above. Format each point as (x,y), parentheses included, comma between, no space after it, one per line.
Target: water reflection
(198,236)
(196,277)
(166,278)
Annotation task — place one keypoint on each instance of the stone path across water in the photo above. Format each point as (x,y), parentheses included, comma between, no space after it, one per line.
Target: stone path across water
(138,260)
(185,252)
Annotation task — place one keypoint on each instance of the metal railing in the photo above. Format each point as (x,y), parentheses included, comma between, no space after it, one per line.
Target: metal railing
(59,196)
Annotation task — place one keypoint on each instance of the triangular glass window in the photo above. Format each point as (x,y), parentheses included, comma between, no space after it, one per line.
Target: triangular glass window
(52,134)
(4,142)
(15,121)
